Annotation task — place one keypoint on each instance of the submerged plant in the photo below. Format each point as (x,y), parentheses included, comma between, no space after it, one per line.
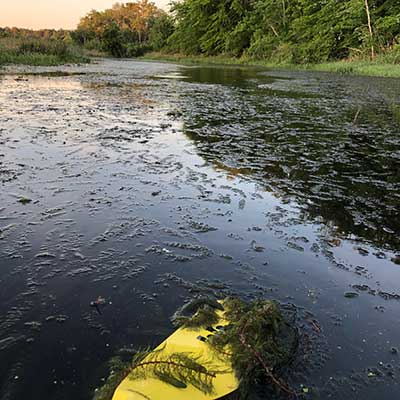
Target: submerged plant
(176,369)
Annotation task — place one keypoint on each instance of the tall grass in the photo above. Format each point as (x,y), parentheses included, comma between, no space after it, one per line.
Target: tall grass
(367,68)
(39,52)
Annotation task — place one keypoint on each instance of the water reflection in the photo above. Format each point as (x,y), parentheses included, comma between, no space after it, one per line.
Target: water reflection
(326,141)
(124,206)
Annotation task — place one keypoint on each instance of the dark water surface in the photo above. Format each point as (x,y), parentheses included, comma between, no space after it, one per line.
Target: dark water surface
(151,183)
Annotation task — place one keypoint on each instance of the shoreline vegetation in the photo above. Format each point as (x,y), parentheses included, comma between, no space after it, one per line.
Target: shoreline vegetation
(349,37)
(40,52)
(74,55)
(56,55)
(345,67)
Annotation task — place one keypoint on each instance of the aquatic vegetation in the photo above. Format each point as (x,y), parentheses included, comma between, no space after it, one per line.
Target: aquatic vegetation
(292,140)
(335,168)
(24,200)
(178,369)
(395,110)
(118,371)
(197,313)
(206,315)
(258,340)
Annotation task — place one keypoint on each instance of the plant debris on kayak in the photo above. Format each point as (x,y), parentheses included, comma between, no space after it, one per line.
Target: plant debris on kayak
(260,340)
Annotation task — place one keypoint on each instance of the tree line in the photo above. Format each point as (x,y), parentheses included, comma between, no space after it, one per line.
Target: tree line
(292,31)
(281,31)
(40,34)
(125,30)
(287,31)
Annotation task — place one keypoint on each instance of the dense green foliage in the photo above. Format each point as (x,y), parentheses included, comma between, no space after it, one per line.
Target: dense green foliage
(289,31)
(125,30)
(274,31)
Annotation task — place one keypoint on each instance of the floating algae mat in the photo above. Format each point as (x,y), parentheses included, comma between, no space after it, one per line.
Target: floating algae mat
(221,347)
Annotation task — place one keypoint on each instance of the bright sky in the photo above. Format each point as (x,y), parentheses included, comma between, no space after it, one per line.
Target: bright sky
(38,14)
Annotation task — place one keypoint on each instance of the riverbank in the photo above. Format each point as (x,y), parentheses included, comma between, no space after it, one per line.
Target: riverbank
(37,59)
(40,53)
(54,56)
(368,68)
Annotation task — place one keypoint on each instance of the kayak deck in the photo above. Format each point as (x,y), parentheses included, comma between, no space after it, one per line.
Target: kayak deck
(188,341)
